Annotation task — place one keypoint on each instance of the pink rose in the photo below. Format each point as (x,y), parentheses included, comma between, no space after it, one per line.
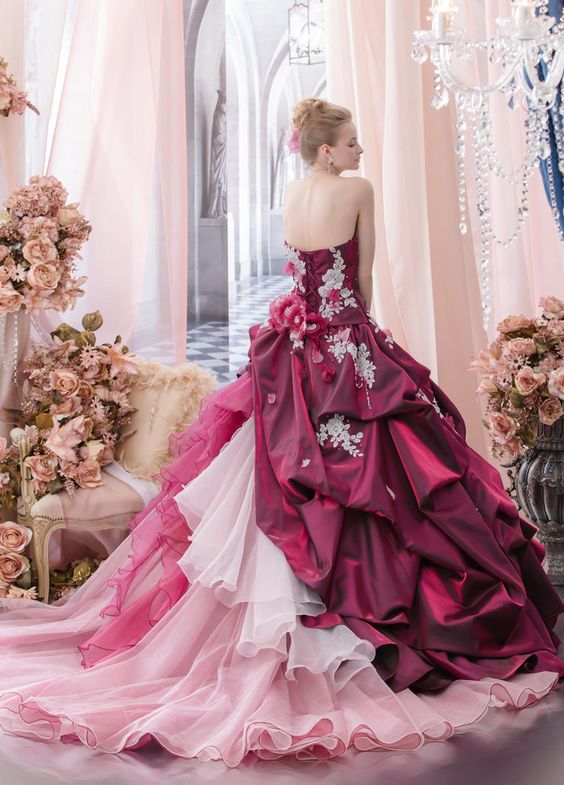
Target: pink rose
(12,565)
(14,537)
(519,347)
(10,300)
(513,323)
(555,328)
(89,474)
(513,448)
(42,467)
(556,383)
(64,381)
(43,276)
(85,391)
(68,215)
(38,250)
(527,381)
(550,411)
(4,252)
(552,307)
(502,427)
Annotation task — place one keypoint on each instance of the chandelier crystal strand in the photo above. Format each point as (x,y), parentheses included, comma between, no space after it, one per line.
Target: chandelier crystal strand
(525,40)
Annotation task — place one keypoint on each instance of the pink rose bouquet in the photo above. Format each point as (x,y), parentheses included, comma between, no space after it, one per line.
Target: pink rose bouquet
(12,100)
(522,374)
(40,239)
(75,408)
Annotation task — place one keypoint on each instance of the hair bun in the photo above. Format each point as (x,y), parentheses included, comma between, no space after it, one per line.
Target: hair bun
(304,110)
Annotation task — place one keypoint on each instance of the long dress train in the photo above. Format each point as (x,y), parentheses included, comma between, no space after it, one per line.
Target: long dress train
(329,565)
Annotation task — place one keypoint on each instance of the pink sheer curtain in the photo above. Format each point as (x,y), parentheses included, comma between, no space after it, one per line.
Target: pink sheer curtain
(426,273)
(108,78)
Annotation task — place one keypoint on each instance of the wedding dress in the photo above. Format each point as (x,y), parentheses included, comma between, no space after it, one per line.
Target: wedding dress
(328,565)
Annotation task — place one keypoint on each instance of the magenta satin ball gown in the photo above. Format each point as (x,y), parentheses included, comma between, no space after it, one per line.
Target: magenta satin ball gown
(329,565)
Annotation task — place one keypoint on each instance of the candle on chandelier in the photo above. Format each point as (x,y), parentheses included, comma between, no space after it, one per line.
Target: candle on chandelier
(523,11)
(443,12)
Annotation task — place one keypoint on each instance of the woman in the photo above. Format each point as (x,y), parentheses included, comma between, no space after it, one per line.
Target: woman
(329,564)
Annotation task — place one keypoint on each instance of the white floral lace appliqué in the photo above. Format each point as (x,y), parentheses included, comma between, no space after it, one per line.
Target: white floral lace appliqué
(340,345)
(335,296)
(433,403)
(298,266)
(337,431)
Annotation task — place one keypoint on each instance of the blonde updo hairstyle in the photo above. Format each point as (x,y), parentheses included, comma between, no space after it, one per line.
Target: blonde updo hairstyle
(318,123)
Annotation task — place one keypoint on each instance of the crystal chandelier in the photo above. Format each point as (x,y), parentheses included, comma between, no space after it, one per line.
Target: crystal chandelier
(306,32)
(526,42)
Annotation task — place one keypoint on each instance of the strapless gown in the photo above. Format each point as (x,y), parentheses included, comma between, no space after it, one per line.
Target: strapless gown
(329,565)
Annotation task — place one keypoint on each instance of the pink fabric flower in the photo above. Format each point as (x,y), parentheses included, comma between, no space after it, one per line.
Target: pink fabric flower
(514,323)
(43,276)
(14,537)
(552,307)
(527,381)
(287,311)
(64,381)
(39,249)
(89,474)
(19,101)
(64,438)
(550,411)
(519,347)
(10,300)
(315,324)
(42,467)
(502,427)
(556,383)
(294,141)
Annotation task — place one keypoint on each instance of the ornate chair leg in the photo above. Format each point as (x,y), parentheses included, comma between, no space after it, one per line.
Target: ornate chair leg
(42,530)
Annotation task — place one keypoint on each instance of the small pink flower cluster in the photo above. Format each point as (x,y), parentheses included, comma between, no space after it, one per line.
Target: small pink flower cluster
(294,141)
(75,408)
(12,99)
(522,374)
(40,240)
(13,564)
(288,312)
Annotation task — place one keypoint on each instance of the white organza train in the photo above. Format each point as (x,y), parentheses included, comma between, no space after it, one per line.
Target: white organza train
(229,669)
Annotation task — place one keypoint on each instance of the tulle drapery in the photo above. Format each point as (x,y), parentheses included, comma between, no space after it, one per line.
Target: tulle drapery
(426,273)
(108,79)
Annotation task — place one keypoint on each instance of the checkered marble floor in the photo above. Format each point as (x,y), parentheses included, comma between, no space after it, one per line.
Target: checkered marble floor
(221,347)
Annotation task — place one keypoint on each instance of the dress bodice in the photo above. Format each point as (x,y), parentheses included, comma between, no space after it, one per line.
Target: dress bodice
(326,279)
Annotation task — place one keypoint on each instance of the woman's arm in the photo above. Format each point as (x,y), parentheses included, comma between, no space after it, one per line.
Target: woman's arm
(366,239)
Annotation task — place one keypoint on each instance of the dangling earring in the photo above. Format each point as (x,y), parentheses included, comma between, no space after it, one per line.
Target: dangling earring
(329,164)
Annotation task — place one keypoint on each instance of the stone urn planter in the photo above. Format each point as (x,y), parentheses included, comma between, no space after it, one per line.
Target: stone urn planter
(539,489)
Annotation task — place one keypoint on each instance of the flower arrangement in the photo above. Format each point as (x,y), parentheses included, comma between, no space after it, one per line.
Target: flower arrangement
(12,99)
(40,239)
(75,410)
(522,374)
(15,568)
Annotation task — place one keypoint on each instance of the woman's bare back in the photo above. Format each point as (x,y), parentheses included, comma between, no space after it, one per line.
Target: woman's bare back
(320,211)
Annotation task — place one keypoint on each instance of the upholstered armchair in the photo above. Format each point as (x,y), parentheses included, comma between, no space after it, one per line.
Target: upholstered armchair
(96,519)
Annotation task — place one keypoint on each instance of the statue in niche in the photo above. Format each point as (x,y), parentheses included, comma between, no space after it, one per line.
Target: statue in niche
(284,169)
(217,191)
